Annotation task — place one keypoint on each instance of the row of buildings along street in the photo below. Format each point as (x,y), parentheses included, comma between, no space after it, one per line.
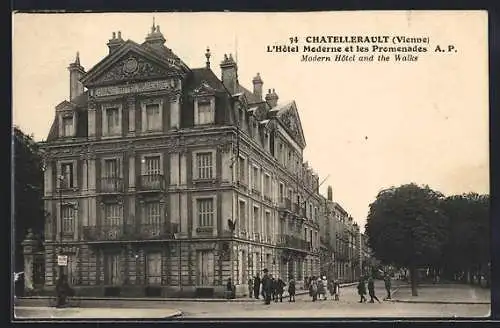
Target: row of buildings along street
(166,180)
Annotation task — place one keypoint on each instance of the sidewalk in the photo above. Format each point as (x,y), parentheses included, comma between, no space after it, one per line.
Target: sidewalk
(443,294)
(27,301)
(94,313)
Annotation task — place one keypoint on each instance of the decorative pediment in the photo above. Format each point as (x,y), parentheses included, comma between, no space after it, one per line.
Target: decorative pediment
(129,63)
(289,118)
(204,89)
(65,106)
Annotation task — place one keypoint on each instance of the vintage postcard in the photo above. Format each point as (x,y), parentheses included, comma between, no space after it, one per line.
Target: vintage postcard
(251,165)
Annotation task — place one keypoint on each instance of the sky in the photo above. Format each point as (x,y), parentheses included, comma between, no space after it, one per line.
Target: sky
(368,125)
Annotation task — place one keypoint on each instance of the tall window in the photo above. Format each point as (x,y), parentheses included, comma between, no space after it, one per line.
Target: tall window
(152,165)
(242,215)
(153,213)
(255,178)
(67,123)
(267,185)
(241,170)
(112,214)
(282,192)
(68,220)
(204,164)
(256,220)
(67,175)
(113,120)
(112,269)
(206,268)
(154,268)
(111,168)
(300,269)
(153,120)
(268,229)
(205,212)
(205,113)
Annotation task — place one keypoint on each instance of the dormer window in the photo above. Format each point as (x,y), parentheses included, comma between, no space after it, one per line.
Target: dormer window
(67,122)
(204,111)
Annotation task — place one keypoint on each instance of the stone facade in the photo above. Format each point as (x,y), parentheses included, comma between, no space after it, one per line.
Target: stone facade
(163,180)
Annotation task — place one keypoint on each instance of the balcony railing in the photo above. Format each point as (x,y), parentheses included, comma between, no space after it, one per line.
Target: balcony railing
(290,241)
(129,232)
(285,204)
(155,231)
(151,182)
(110,185)
(107,232)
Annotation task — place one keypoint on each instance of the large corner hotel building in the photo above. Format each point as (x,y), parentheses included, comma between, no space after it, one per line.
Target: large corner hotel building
(161,179)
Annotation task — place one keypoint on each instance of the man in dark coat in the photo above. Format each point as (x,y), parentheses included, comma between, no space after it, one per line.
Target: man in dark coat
(256,286)
(362,290)
(267,287)
(291,289)
(280,289)
(274,292)
(387,283)
(371,290)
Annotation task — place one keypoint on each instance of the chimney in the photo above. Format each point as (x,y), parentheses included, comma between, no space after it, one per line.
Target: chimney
(76,72)
(272,98)
(155,38)
(115,42)
(229,71)
(330,193)
(257,86)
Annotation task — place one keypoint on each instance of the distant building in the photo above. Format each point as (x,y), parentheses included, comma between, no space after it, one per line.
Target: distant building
(163,179)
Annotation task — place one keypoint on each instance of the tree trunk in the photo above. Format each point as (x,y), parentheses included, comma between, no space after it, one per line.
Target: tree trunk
(413,280)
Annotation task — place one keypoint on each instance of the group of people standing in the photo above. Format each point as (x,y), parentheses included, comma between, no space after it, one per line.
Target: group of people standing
(319,286)
(270,288)
(371,289)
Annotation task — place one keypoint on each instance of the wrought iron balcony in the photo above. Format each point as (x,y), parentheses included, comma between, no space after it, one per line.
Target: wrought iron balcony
(155,231)
(106,232)
(290,241)
(285,204)
(110,185)
(151,182)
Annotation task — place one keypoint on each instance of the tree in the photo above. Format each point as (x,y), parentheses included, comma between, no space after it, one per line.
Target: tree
(468,248)
(406,227)
(28,182)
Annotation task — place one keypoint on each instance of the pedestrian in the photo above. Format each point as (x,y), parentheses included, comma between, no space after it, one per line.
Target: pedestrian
(229,289)
(362,290)
(250,287)
(62,291)
(291,289)
(371,290)
(267,287)
(313,289)
(387,282)
(280,289)
(334,289)
(256,286)
(321,289)
(274,290)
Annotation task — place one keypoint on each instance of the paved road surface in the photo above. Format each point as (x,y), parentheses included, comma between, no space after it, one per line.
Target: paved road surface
(348,306)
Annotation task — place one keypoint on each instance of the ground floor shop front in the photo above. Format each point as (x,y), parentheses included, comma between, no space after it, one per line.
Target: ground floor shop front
(173,268)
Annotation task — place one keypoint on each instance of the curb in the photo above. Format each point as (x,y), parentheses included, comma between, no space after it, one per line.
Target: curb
(438,302)
(165,299)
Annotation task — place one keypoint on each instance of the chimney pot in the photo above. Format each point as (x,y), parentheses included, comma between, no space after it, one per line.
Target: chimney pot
(114,35)
(119,34)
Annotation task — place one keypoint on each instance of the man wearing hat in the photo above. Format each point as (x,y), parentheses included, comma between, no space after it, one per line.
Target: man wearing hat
(267,286)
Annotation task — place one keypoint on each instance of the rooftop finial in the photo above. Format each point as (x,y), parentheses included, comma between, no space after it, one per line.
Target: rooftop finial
(207,55)
(153,28)
(77,60)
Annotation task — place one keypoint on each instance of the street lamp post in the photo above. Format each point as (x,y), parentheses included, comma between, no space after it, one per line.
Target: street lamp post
(61,301)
